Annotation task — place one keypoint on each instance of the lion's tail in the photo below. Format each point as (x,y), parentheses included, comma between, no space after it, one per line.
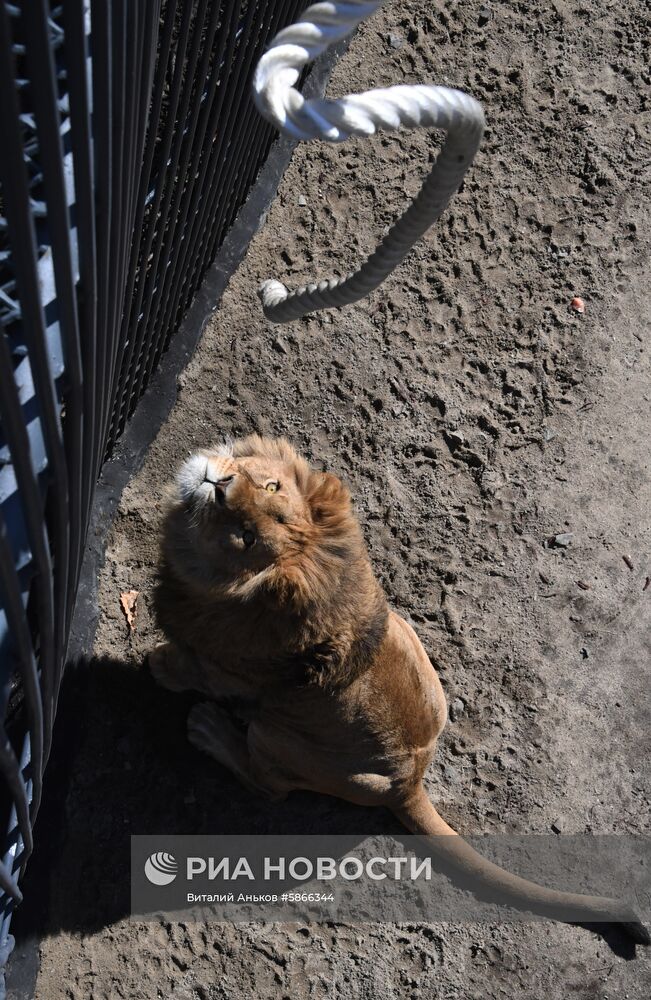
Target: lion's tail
(421,818)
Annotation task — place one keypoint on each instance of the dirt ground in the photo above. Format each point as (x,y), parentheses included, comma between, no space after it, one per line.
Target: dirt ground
(474,415)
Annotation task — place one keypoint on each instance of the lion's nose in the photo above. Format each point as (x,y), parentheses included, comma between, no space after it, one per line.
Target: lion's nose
(220,485)
(223,481)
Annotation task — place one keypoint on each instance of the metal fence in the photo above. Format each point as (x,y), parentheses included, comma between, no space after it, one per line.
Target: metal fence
(128,142)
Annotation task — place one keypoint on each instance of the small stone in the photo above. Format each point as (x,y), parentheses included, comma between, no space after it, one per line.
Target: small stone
(302,201)
(396,41)
(455,439)
(578,305)
(452,618)
(484,17)
(558,825)
(584,653)
(279,346)
(560,541)
(457,708)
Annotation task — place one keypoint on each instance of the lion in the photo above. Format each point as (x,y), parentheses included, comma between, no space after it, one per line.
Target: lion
(271,609)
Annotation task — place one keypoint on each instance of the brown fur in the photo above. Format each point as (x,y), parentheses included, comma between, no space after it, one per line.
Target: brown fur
(338,692)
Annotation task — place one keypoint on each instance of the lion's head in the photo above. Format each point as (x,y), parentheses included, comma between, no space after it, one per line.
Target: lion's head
(253,515)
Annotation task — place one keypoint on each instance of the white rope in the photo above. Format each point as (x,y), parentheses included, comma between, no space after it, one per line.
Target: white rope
(279,102)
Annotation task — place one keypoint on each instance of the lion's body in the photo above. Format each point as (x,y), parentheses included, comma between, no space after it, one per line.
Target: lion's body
(272,610)
(369,741)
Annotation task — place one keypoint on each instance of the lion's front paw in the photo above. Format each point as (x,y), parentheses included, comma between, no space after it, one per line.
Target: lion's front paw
(213,731)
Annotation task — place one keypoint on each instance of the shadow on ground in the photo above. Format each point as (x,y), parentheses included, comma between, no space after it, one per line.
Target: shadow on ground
(121,765)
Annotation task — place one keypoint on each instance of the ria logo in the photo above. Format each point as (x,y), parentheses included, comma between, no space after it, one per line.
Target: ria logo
(161,868)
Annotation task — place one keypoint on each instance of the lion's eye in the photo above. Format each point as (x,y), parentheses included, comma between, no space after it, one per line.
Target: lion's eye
(248,538)
(272,487)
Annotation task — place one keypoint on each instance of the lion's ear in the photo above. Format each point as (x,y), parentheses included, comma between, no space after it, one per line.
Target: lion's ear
(328,498)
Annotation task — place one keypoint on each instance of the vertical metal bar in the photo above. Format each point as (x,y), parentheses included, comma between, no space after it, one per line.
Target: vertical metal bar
(102,77)
(146,62)
(76,59)
(117,56)
(132,28)
(15,611)
(11,770)
(133,64)
(13,423)
(44,99)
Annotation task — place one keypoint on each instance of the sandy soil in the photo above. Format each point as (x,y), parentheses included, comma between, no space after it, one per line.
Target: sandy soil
(474,415)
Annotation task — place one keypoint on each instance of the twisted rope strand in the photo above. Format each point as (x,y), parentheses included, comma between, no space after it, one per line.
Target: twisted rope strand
(420,106)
